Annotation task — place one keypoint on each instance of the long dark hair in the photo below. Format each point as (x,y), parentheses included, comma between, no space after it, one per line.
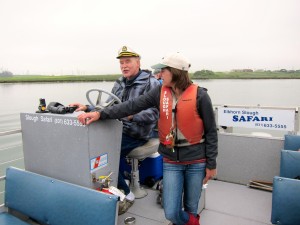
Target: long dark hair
(180,78)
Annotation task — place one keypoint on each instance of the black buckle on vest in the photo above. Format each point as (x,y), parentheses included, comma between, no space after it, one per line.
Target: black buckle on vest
(181,141)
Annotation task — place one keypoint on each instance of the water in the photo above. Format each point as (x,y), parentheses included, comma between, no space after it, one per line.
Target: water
(17,98)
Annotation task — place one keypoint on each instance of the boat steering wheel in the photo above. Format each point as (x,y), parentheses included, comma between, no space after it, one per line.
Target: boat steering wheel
(99,103)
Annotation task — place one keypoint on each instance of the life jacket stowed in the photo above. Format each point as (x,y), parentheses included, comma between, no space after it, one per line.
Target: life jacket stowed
(187,120)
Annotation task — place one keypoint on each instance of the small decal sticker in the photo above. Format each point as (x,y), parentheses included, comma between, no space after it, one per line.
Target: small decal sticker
(98,162)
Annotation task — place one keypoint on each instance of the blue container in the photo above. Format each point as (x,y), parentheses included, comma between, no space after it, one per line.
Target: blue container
(150,168)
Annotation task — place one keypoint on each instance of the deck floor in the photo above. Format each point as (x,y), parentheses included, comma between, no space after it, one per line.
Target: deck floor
(225,204)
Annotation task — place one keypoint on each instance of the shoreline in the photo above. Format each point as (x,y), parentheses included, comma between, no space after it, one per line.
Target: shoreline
(113,77)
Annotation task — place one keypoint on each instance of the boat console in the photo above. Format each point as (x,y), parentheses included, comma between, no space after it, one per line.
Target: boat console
(58,146)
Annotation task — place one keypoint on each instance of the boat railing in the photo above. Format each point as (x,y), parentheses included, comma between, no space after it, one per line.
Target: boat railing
(2,178)
(4,133)
(11,155)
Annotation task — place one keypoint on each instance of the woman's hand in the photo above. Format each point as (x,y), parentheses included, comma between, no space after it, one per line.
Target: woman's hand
(209,175)
(87,118)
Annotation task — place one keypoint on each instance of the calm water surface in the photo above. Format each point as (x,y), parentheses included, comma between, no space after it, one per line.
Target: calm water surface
(16,98)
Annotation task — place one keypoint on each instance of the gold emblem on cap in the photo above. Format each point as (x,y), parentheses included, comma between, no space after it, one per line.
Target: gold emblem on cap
(124,49)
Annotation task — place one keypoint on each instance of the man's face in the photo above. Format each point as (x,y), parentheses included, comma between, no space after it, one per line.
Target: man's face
(129,66)
(158,75)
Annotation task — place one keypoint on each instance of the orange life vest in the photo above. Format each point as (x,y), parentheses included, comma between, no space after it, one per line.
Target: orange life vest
(187,121)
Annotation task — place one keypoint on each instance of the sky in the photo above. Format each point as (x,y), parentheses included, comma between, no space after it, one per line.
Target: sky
(82,37)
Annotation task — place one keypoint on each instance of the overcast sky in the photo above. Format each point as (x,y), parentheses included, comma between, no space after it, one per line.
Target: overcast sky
(52,37)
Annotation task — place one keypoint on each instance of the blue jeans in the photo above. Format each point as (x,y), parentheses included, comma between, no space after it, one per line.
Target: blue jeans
(127,145)
(182,182)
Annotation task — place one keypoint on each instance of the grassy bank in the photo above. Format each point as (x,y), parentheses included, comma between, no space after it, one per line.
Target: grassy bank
(251,75)
(63,78)
(85,78)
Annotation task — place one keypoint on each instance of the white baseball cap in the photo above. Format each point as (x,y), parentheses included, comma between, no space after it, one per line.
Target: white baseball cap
(174,60)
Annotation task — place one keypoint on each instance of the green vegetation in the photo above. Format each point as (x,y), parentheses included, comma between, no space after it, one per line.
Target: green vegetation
(203,74)
(207,74)
(65,78)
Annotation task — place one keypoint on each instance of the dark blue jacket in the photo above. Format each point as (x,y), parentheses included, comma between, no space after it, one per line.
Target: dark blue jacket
(141,125)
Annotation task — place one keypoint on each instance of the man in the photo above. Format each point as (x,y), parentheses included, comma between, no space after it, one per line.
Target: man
(157,75)
(137,128)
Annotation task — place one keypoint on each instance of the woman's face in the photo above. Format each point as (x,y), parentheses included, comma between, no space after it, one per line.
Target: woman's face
(166,76)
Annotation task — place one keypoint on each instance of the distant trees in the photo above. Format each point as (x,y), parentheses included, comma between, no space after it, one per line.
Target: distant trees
(203,74)
(287,71)
(6,73)
(242,70)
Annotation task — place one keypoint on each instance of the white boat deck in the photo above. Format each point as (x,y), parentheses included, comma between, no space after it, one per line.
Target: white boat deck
(225,204)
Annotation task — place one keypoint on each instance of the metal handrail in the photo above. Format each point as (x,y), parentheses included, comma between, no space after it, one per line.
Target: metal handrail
(2,178)
(11,161)
(4,133)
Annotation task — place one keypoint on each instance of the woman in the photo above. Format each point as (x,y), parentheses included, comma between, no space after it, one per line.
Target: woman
(187,133)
